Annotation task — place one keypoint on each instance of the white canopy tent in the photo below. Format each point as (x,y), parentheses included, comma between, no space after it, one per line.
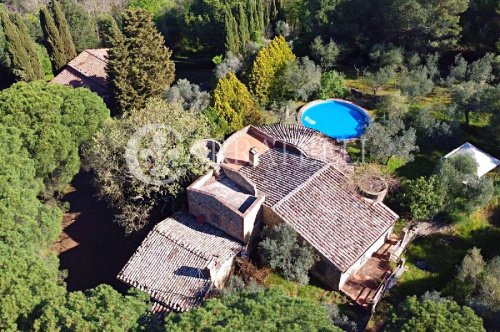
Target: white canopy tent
(485,162)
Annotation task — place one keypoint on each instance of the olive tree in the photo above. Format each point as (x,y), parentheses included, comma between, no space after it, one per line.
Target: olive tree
(143,158)
(282,252)
(390,138)
(463,189)
(189,95)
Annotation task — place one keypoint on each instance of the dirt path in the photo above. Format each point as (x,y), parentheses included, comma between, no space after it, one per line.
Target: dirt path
(92,248)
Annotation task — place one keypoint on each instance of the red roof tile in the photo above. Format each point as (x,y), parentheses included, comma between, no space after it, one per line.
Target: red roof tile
(88,69)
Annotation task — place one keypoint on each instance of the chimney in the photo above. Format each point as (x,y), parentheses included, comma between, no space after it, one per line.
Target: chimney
(254,157)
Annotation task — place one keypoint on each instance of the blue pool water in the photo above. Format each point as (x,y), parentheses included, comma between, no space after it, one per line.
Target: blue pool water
(336,118)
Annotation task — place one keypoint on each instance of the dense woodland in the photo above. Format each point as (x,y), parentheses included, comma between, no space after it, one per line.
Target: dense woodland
(427,71)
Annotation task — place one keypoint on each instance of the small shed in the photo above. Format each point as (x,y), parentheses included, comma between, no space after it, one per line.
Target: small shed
(485,162)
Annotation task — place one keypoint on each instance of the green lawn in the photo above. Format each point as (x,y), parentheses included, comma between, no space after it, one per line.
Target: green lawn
(444,252)
(310,291)
(315,291)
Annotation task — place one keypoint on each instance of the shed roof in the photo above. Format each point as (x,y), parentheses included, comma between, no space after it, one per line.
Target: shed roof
(88,69)
(170,264)
(485,162)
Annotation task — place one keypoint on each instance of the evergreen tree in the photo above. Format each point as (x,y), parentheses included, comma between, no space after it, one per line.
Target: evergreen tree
(233,105)
(21,56)
(109,31)
(243,25)
(271,61)
(252,18)
(81,25)
(35,65)
(53,41)
(139,65)
(232,36)
(64,33)
(260,17)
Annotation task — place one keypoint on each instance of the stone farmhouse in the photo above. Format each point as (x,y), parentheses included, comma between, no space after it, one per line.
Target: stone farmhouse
(265,176)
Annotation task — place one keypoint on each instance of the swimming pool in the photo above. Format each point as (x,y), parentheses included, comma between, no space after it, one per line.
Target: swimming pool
(336,118)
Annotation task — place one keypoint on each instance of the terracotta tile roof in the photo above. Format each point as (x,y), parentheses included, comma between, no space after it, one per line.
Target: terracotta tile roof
(170,264)
(313,143)
(337,222)
(280,172)
(88,69)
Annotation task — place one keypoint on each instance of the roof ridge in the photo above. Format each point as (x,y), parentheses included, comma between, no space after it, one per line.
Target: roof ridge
(169,235)
(291,193)
(98,58)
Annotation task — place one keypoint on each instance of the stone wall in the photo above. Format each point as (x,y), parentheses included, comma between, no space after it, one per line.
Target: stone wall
(252,218)
(216,213)
(270,217)
(240,180)
(327,273)
(221,273)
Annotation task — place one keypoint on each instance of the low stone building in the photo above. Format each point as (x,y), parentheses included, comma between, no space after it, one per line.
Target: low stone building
(180,261)
(268,175)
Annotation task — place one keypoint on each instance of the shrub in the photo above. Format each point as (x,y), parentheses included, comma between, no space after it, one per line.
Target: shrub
(427,314)
(282,252)
(332,85)
(424,197)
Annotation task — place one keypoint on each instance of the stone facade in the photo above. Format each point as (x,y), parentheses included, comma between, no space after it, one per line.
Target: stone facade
(240,180)
(215,211)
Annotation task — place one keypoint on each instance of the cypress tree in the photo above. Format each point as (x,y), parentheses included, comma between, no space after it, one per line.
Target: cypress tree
(35,66)
(139,64)
(64,32)
(260,17)
(232,36)
(22,64)
(252,19)
(234,105)
(243,26)
(109,31)
(52,40)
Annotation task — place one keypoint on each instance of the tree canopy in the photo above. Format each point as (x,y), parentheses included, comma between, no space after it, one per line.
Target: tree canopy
(144,157)
(233,105)
(435,315)
(139,63)
(21,54)
(268,310)
(57,35)
(53,121)
(271,61)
